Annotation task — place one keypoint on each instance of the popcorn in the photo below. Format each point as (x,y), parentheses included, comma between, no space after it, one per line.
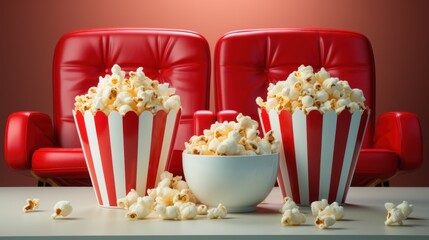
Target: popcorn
(31,205)
(307,91)
(141,208)
(325,221)
(288,204)
(218,212)
(333,210)
(293,217)
(137,93)
(173,198)
(326,215)
(188,210)
(182,197)
(396,214)
(406,208)
(62,208)
(202,209)
(318,206)
(165,195)
(233,138)
(168,212)
(128,200)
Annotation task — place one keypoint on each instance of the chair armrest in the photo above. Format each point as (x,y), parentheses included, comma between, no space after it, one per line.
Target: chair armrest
(203,119)
(401,133)
(25,133)
(227,115)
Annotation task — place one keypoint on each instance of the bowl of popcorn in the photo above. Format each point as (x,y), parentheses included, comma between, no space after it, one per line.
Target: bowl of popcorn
(320,121)
(126,125)
(231,165)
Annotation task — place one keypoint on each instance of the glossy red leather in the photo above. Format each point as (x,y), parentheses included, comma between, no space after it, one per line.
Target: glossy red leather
(179,57)
(69,164)
(25,133)
(401,133)
(247,61)
(374,164)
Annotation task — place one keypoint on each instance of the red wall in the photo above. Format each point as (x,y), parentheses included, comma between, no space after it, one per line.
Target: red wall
(398,31)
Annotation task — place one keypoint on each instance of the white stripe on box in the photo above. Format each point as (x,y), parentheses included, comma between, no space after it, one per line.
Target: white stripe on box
(327,152)
(166,142)
(116,133)
(275,127)
(299,122)
(143,152)
(360,146)
(348,155)
(96,157)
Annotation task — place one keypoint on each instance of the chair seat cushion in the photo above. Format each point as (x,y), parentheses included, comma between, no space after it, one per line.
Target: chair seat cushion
(380,164)
(65,166)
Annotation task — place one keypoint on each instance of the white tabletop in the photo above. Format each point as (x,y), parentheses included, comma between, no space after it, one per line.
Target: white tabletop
(364,216)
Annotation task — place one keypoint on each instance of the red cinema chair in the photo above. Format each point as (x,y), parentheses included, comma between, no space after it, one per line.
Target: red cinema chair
(50,147)
(246,61)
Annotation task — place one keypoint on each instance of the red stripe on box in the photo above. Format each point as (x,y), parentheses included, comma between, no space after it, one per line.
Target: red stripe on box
(314,150)
(80,121)
(173,138)
(103,137)
(341,135)
(359,140)
(265,120)
(286,126)
(159,121)
(130,127)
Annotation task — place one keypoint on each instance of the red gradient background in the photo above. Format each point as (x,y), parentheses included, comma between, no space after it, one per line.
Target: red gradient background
(397,29)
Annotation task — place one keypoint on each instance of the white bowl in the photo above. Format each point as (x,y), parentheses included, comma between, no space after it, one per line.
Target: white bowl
(238,182)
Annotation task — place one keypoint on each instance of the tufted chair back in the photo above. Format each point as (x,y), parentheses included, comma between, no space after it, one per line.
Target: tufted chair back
(247,61)
(178,57)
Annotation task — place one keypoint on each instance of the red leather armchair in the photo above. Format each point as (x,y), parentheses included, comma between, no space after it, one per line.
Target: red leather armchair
(246,61)
(50,148)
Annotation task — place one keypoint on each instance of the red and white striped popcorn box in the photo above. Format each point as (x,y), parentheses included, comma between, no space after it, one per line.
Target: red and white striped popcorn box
(318,152)
(126,152)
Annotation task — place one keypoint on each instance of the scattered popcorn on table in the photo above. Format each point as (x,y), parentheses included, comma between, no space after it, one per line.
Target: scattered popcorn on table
(318,206)
(171,200)
(31,205)
(128,200)
(165,195)
(307,91)
(218,212)
(406,208)
(202,209)
(188,210)
(333,210)
(168,212)
(137,93)
(326,215)
(396,214)
(171,189)
(324,221)
(292,217)
(288,204)
(182,197)
(233,138)
(141,208)
(62,208)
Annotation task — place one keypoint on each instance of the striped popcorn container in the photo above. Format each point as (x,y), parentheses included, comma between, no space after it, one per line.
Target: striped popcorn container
(318,152)
(125,152)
